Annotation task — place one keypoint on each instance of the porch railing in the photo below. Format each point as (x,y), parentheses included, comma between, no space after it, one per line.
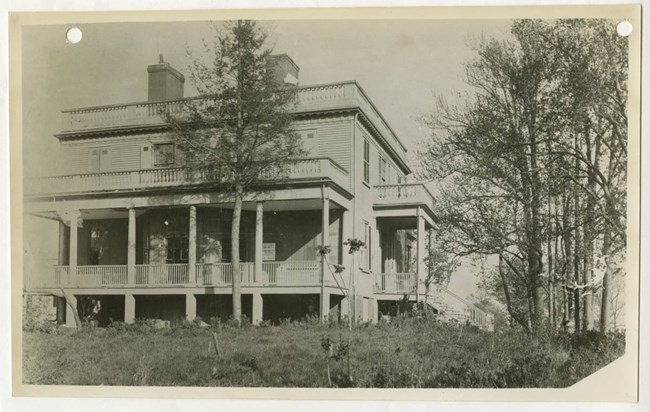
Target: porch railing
(303,273)
(168,274)
(169,177)
(395,283)
(273,273)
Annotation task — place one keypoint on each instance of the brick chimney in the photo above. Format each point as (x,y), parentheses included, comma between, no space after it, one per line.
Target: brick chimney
(165,82)
(285,70)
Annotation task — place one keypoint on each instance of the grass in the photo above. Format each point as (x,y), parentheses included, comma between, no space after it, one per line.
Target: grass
(411,353)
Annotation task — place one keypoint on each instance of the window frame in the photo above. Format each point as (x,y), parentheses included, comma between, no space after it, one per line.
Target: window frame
(366,161)
(383,170)
(154,149)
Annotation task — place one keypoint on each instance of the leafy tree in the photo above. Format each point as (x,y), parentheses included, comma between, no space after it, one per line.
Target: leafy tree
(239,132)
(532,168)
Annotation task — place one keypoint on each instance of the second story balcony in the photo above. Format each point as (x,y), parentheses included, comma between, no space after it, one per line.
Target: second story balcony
(306,169)
(403,194)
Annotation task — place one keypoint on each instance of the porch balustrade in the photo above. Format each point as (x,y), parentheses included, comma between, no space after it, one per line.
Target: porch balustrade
(395,283)
(299,273)
(168,177)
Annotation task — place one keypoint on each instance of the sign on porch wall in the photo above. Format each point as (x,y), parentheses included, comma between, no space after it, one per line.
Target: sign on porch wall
(268,251)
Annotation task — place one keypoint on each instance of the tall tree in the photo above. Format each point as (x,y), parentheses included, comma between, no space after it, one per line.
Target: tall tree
(536,153)
(239,131)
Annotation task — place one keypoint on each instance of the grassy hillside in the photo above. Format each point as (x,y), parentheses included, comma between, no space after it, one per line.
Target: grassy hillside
(411,353)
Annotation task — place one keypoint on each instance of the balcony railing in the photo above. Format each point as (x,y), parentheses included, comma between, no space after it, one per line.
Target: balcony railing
(298,273)
(154,178)
(404,193)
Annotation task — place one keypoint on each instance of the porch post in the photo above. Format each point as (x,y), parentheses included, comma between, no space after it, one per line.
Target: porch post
(421,254)
(325,241)
(130,257)
(74,225)
(258,308)
(129,308)
(69,316)
(191,256)
(347,259)
(190,307)
(259,241)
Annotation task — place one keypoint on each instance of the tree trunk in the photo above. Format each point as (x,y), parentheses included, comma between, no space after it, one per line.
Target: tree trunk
(549,269)
(578,244)
(236,270)
(568,255)
(605,305)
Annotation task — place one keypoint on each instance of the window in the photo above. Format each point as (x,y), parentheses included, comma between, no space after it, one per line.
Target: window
(163,154)
(383,170)
(366,255)
(175,229)
(310,142)
(100,159)
(366,161)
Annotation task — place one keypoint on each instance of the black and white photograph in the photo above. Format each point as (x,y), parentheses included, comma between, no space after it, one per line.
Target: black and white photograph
(333,203)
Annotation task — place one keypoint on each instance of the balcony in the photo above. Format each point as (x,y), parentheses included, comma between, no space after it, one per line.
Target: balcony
(403,194)
(319,168)
(298,273)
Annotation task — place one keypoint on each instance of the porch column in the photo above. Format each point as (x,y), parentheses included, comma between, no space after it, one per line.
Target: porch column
(74,225)
(190,307)
(420,268)
(129,308)
(130,256)
(191,256)
(344,307)
(69,316)
(347,260)
(259,240)
(258,308)
(325,241)
(374,311)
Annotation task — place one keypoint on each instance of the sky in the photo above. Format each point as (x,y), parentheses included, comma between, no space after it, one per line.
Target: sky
(402,65)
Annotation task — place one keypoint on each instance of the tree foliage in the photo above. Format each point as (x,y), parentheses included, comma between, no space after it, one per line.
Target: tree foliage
(532,166)
(238,133)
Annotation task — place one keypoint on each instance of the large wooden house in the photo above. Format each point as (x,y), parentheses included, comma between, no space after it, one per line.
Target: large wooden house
(139,238)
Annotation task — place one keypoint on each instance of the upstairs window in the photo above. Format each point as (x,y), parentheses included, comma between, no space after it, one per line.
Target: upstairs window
(383,170)
(366,161)
(163,154)
(99,159)
(366,252)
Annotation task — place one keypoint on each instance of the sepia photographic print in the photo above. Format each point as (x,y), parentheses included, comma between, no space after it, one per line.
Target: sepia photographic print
(261,204)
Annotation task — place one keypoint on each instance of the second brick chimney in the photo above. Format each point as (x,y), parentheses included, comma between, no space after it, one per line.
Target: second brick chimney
(165,82)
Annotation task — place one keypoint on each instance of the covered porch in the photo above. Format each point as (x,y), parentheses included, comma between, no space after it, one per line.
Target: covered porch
(190,246)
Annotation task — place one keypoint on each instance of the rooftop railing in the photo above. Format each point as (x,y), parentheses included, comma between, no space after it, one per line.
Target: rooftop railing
(310,98)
